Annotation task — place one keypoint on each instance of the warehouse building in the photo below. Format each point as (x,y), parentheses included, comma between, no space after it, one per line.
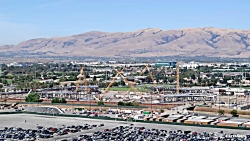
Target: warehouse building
(166,64)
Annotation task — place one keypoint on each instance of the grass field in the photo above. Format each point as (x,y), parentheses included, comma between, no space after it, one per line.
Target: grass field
(119,88)
(126,88)
(138,87)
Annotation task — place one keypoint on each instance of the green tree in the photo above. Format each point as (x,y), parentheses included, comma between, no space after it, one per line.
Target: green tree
(221,112)
(123,83)
(63,100)
(128,104)
(94,78)
(234,113)
(57,100)
(193,77)
(5,81)
(120,103)
(100,103)
(33,97)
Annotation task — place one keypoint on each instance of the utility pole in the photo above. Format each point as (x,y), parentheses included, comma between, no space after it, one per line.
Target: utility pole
(90,102)
(151,105)
(106,74)
(228,98)
(0,69)
(35,72)
(177,78)
(219,102)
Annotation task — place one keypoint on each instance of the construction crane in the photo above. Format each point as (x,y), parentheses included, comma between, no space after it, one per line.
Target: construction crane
(151,77)
(129,83)
(126,81)
(177,78)
(82,74)
(110,84)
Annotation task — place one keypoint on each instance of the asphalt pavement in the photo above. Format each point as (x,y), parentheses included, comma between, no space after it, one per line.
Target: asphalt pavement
(49,121)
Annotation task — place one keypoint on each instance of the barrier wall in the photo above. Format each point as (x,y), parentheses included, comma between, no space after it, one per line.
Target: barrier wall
(165,106)
(67,104)
(154,122)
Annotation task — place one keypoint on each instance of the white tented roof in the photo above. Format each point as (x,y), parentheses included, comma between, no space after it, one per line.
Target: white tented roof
(231,122)
(199,120)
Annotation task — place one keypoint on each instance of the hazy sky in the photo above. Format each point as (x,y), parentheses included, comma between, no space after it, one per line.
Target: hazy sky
(26,19)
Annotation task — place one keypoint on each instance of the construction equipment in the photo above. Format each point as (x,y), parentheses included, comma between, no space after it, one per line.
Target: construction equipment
(126,81)
(151,77)
(129,83)
(110,84)
(82,74)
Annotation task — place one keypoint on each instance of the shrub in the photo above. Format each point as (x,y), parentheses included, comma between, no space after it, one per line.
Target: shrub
(128,103)
(120,103)
(57,100)
(162,111)
(221,112)
(234,113)
(100,103)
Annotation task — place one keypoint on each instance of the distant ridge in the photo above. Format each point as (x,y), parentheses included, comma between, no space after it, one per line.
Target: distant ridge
(150,42)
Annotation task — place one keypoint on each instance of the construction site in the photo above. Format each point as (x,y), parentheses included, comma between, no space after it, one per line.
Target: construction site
(153,93)
(149,94)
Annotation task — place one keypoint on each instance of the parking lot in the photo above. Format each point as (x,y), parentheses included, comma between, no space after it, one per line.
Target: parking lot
(32,121)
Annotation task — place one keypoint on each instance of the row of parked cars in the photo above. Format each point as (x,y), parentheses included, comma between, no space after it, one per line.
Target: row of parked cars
(16,133)
(131,133)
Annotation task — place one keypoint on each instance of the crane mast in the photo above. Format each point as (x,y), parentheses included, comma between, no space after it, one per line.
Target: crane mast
(82,74)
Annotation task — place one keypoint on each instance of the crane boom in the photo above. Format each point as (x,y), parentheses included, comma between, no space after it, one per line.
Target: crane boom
(110,84)
(129,83)
(126,81)
(150,75)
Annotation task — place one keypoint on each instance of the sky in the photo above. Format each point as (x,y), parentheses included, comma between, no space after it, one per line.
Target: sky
(28,19)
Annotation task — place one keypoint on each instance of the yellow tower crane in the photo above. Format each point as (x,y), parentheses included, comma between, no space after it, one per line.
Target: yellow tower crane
(152,78)
(82,74)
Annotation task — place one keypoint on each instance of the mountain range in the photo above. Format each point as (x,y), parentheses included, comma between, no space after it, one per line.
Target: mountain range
(208,41)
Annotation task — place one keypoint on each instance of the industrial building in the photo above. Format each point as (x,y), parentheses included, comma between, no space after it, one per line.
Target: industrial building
(166,64)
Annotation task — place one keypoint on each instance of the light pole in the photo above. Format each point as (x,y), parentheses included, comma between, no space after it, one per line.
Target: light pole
(89,103)
(151,104)
(219,102)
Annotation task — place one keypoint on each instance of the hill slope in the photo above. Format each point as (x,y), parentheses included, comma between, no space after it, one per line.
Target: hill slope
(143,43)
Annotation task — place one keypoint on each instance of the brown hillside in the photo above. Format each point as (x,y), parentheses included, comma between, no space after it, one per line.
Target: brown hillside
(208,41)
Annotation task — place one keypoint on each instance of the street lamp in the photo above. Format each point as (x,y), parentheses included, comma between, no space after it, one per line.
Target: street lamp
(90,102)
